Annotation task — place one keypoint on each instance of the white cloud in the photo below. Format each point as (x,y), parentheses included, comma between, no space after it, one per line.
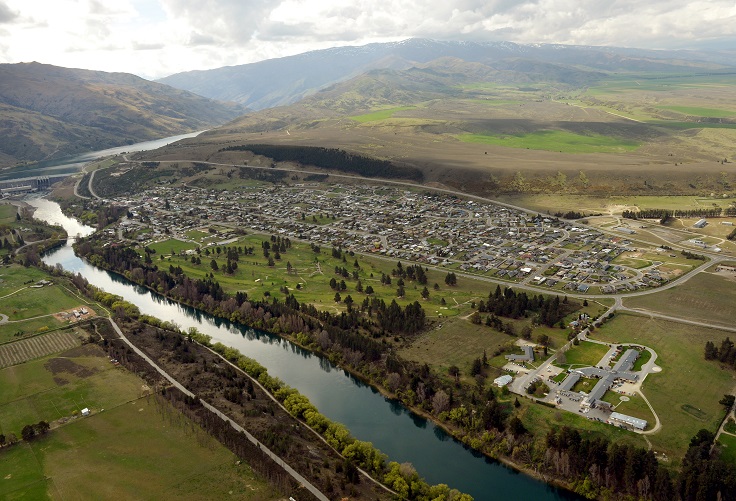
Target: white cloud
(158,37)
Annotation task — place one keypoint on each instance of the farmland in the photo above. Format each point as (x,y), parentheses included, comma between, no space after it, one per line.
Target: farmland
(706,297)
(555,140)
(72,459)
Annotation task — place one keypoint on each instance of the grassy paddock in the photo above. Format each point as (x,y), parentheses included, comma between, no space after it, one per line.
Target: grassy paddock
(556,140)
(458,342)
(706,297)
(59,386)
(77,457)
(379,114)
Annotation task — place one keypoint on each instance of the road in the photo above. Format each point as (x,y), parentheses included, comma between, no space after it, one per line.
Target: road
(303,481)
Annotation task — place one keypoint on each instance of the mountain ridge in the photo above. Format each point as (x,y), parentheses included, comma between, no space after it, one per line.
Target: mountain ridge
(51,111)
(283,81)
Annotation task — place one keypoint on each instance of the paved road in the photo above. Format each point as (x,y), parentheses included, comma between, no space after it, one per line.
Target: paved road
(303,481)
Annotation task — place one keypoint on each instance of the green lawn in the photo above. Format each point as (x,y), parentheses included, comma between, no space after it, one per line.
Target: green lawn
(556,140)
(685,394)
(172,245)
(728,447)
(583,355)
(706,297)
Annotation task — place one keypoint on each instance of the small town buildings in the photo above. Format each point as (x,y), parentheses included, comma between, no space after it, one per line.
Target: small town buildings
(528,355)
(622,419)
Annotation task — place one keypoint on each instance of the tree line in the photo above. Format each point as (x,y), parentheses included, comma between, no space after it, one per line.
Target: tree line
(332,158)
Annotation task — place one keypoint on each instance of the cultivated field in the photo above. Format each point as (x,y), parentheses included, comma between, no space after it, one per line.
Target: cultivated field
(37,347)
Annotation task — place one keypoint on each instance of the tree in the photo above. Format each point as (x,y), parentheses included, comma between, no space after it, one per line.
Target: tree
(727,401)
(516,427)
(711,352)
(476,367)
(369,290)
(454,371)
(425,293)
(526,332)
(440,402)
(28,432)
(213,265)
(337,297)
(451,279)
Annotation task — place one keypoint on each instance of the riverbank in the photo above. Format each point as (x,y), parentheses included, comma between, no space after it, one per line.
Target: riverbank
(454,432)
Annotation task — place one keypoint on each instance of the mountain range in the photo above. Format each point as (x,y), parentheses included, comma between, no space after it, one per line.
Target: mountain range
(282,81)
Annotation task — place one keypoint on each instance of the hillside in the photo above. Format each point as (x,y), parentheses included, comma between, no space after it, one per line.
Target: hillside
(516,126)
(49,111)
(282,81)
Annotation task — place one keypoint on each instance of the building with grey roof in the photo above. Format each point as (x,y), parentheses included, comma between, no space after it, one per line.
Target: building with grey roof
(569,381)
(528,355)
(627,360)
(617,418)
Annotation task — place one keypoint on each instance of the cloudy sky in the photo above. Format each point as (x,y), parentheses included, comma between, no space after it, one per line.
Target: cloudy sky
(155,38)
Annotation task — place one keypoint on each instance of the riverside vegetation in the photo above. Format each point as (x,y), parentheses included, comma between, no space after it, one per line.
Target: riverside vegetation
(591,465)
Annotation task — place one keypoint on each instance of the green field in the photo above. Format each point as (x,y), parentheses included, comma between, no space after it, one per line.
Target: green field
(129,447)
(17,330)
(556,140)
(140,450)
(174,245)
(379,114)
(584,355)
(7,213)
(685,394)
(312,273)
(20,302)
(705,297)
(57,387)
(728,447)
(458,342)
(700,112)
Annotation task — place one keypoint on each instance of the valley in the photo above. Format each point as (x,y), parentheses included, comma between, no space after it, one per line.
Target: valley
(410,273)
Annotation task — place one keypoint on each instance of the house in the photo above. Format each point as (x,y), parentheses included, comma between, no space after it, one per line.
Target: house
(700,224)
(502,381)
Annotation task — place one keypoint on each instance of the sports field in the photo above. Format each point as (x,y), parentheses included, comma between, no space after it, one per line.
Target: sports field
(556,140)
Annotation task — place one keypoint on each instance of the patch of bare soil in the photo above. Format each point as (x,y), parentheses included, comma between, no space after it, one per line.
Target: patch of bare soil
(60,365)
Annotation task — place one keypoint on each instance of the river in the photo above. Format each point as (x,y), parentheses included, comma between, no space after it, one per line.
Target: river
(369,416)
(70,165)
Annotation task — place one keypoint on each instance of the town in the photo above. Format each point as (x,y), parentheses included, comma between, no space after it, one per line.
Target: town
(438,230)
